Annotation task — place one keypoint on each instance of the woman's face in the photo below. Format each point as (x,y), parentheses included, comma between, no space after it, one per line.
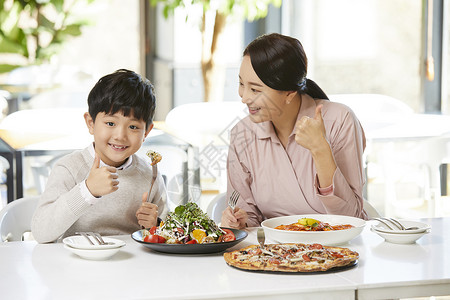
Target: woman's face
(264,103)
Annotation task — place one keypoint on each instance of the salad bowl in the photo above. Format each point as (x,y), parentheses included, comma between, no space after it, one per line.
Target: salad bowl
(138,236)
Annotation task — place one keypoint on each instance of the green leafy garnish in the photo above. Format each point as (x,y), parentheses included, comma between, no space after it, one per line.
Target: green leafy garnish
(190,217)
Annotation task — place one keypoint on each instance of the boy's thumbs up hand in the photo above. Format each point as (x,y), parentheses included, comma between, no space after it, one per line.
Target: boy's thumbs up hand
(96,163)
(102,180)
(310,132)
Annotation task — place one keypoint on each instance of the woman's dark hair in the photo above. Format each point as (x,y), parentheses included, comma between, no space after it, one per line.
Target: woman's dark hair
(281,63)
(123,91)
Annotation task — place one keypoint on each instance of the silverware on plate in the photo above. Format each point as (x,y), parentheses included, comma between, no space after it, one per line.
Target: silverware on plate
(83,234)
(391,223)
(95,236)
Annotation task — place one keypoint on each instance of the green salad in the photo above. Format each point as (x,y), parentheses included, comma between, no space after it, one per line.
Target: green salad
(188,224)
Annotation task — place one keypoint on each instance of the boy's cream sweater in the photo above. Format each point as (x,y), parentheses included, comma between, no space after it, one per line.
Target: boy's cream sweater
(62,210)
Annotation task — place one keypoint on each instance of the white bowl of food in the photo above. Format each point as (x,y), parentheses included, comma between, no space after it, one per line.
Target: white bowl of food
(400,238)
(328,237)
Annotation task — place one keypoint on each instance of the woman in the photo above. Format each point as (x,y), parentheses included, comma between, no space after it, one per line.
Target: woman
(296,152)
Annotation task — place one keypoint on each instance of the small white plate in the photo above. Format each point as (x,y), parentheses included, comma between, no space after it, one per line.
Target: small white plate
(407,223)
(94,254)
(395,238)
(80,242)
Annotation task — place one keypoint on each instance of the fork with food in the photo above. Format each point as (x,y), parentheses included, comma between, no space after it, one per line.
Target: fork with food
(147,214)
(155,158)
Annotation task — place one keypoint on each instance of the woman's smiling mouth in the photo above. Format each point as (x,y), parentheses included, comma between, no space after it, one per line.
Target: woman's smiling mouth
(253,110)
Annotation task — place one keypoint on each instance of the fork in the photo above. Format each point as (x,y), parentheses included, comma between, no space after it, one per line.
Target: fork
(233,200)
(96,236)
(83,234)
(261,237)
(155,174)
(99,238)
(395,223)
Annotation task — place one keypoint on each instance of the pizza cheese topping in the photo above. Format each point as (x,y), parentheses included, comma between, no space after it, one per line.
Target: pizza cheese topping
(291,257)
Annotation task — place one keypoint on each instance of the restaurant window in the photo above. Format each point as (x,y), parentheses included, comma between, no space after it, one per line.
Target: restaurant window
(380,47)
(356,46)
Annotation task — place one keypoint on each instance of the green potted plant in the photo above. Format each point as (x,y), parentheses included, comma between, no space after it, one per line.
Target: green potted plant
(32,31)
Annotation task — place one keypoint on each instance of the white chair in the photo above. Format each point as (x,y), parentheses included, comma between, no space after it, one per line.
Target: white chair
(41,171)
(403,154)
(370,210)
(217,205)
(206,126)
(15,219)
(207,122)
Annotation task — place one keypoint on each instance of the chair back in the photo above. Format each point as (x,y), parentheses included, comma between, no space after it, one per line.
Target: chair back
(217,205)
(15,219)
(370,210)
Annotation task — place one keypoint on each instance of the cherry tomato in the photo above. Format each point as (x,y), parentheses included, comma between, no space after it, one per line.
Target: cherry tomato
(229,235)
(192,242)
(152,230)
(154,238)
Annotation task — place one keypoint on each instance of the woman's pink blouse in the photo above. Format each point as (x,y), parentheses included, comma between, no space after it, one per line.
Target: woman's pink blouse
(276,181)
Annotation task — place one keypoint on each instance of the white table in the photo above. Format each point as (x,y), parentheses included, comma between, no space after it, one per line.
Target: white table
(34,271)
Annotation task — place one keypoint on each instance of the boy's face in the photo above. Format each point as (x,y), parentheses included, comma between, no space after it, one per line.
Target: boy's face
(116,137)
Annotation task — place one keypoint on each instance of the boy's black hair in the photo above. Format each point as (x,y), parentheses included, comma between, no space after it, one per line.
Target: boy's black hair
(123,91)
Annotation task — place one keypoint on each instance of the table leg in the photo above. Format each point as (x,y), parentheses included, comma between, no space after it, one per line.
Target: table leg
(9,176)
(19,174)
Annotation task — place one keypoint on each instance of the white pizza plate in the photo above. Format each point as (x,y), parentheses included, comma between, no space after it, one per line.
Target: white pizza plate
(404,238)
(422,227)
(94,254)
(335,237)
(80,242)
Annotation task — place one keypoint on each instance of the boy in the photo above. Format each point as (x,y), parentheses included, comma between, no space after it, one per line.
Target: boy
(103,188)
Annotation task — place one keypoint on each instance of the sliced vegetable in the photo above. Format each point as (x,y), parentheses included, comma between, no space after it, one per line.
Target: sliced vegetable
(152,230)
(229,235)
(154,238)
(199,235)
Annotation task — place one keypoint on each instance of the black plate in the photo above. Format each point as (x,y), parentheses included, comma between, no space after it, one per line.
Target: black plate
(191,248)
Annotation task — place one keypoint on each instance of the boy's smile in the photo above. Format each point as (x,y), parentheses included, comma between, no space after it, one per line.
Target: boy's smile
(116,136)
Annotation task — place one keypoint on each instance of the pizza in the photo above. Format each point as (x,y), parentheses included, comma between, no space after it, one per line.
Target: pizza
(291,257)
